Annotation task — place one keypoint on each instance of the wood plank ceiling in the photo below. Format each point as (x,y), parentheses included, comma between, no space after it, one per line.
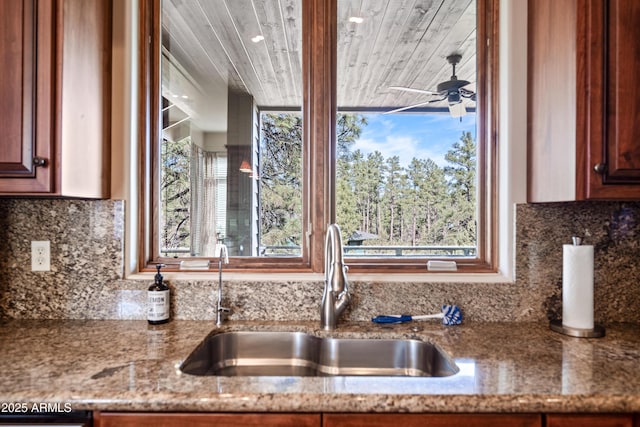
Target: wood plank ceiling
(208,49)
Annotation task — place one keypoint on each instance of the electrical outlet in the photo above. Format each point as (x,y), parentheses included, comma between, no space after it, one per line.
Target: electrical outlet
(40,255)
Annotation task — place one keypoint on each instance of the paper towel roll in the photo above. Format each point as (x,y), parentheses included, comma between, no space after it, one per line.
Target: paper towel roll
(577,286)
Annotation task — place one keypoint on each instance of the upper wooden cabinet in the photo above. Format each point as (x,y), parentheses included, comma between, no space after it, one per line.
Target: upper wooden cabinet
(583,100)
(55,103)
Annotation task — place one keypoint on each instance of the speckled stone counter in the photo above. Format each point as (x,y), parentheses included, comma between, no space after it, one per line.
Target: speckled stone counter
(504,367)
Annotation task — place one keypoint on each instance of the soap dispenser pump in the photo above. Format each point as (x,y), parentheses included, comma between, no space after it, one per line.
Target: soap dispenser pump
(158,300)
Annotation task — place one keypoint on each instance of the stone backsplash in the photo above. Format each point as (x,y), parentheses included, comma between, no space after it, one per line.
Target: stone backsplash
(86,278)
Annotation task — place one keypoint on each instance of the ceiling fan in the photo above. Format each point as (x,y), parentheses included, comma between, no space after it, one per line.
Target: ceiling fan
(452,91)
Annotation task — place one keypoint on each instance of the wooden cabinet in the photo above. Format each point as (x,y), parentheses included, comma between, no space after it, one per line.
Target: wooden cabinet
(431,420)
(590,420)
(27,90)
(178,419)
(123,419)
(583,100)
(55,103)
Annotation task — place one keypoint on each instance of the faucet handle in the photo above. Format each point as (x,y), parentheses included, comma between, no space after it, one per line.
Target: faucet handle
(220,313)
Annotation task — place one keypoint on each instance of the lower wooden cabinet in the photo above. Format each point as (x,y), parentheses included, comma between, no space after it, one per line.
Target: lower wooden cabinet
(589,420)
(176,419)
(431,420)
(155,419)
(127,419)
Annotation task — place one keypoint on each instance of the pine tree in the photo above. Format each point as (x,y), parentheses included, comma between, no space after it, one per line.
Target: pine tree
(435,195)
(462,179)
(393,172)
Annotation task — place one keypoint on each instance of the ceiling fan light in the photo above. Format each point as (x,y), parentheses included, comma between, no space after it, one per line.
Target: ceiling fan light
(457,110)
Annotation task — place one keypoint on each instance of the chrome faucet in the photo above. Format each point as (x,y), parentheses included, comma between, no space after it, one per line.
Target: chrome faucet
(336,295)
(224,257)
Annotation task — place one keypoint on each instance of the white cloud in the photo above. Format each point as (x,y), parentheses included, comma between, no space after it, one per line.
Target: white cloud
(408,136)
(406,147)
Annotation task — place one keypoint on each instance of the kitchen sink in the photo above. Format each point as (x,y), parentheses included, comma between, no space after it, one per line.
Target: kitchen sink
(262,353)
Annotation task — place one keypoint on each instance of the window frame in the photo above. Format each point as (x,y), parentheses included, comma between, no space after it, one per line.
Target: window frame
(319,45)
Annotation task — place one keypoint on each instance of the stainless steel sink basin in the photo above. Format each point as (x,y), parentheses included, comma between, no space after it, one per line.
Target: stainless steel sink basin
(300,354)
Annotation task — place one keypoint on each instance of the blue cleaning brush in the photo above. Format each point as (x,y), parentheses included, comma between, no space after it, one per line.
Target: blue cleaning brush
(450,315)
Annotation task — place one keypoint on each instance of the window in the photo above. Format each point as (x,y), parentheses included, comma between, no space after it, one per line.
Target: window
(267,165)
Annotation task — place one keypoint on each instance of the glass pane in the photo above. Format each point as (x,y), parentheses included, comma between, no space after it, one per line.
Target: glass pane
(223,62)
(406,128)
(281,179)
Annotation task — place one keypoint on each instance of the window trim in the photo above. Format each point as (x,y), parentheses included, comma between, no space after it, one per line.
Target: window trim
(319,108)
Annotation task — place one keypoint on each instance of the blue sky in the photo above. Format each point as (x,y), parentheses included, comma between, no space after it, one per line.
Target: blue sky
(413,135)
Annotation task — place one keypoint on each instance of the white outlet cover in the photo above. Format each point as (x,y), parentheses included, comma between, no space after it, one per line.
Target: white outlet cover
(40,255)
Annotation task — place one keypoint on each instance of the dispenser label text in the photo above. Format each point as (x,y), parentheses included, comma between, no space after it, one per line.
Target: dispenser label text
(158,303)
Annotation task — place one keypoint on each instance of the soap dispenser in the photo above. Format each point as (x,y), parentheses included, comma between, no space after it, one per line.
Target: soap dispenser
(158,300)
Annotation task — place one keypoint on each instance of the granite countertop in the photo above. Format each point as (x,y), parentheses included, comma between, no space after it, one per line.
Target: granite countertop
(504,367)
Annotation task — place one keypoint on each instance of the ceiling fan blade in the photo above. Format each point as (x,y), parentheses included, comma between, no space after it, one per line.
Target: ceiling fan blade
(397,110)
(410,89)
(467,93)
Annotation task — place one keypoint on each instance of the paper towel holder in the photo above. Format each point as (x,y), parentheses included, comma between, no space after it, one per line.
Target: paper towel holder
(557,326)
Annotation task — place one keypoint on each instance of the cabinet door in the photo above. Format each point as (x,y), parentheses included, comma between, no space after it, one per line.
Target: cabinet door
(26,95)
(55,105)
(123,419)
(589,420)
(584,111)
(610,97)
(431,420)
